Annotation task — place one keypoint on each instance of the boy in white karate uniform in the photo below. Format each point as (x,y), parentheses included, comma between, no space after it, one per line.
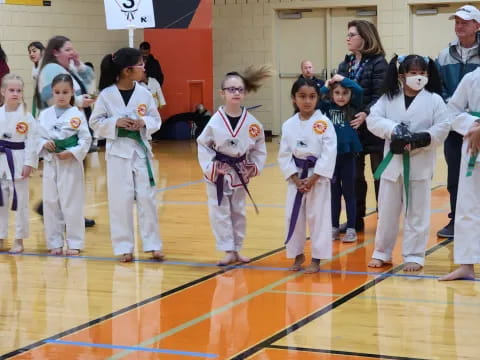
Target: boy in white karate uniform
(464,107)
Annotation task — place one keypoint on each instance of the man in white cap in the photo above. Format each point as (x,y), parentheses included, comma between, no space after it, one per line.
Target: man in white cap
(460,57)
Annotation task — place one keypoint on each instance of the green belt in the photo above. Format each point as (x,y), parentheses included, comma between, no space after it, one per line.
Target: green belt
(135,135)
(406,171)
(473,157)
(64,144)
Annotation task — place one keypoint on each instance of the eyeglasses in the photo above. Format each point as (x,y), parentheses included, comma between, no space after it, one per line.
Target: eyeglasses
(233,90)
(351,35)
(141,66)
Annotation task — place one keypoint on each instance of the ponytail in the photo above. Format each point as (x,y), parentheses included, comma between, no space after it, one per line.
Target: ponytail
(252,77)
(434,84)
(391,85)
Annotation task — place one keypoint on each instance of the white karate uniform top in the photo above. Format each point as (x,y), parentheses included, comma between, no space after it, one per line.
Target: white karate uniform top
(467,214)
(127,174)
(228,220)
(302,138)
(16,126)
(426,113)
(63,180)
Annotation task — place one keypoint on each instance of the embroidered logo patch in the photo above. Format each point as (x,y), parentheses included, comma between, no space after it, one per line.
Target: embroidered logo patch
(142,110)
(22,127)
(254,130)
(320,126)
(75,122)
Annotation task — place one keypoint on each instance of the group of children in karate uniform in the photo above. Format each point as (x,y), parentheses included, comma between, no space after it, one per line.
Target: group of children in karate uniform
(411,117)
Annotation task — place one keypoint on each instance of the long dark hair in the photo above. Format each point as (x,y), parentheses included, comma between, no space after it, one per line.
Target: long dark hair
(113,64)
(298,84)
(55,43)
(3,56)
(392,84)
(68,79)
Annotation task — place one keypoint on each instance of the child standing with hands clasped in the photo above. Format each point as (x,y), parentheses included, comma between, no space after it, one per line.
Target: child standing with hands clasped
(126,115)
(307,154)
(413,119)
(63,143)
(345,97)
(231,150)
(17,159)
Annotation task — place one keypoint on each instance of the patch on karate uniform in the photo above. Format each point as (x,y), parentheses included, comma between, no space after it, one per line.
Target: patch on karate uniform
(22,127)
(75,122)
(142,110)
(254,130)
(320,126)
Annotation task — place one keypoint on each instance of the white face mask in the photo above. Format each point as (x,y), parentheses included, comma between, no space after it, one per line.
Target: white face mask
(417,82)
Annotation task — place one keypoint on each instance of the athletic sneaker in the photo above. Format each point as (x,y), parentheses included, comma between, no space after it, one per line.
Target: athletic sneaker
(350,236)
(335,233)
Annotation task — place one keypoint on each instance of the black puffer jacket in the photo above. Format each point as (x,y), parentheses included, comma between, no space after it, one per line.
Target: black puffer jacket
(371,80)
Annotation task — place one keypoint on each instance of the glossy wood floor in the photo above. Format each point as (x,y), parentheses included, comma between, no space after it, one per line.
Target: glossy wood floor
(93,307)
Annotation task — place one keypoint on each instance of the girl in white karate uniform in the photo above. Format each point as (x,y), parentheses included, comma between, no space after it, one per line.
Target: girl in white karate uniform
(413,119)
(126,115)
(307,156)
(464,108)
(63,143)
(17,149)
(231,150)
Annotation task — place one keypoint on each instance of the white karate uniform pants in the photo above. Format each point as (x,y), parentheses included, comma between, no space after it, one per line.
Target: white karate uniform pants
(467,216)
(63,203)
(416,224)
(21,215)
(128,180)
(315,211)
(228,220)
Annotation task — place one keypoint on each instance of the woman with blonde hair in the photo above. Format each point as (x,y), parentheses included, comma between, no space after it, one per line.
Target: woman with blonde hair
(367,66)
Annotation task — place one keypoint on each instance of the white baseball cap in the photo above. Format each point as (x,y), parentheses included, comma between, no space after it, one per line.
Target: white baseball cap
(467,12)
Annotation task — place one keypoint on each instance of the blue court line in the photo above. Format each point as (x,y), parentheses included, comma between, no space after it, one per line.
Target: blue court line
(134,348)
(248,267)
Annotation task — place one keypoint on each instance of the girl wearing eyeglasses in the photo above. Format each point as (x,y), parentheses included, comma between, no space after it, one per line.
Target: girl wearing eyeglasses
(231,150)
(126,115)
(413,119)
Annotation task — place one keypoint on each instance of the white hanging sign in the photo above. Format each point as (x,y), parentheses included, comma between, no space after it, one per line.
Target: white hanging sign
(125,14)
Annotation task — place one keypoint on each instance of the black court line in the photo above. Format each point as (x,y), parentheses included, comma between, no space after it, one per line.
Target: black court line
(339,352)
(130,307)
(281,334)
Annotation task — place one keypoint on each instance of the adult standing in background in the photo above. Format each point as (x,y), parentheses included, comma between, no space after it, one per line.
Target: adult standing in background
(4,69)
(367,66)
(152,66)
(308,73)
(460,57)
(60,57)
(35,53)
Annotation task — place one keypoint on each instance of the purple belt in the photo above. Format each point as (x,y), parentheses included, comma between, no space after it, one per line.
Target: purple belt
(233,163)
(7,147)
(304,164)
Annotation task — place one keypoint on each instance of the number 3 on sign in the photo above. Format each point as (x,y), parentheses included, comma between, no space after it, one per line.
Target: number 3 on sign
(124,14)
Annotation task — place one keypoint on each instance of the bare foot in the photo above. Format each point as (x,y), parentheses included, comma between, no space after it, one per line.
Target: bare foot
(297,265)
(464,272)
(313,268)
(157,255)
(227,259)
(241,258)
(17,247)
(411,267)
(72,252)
(56,251)
(126,258)
(377,263)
